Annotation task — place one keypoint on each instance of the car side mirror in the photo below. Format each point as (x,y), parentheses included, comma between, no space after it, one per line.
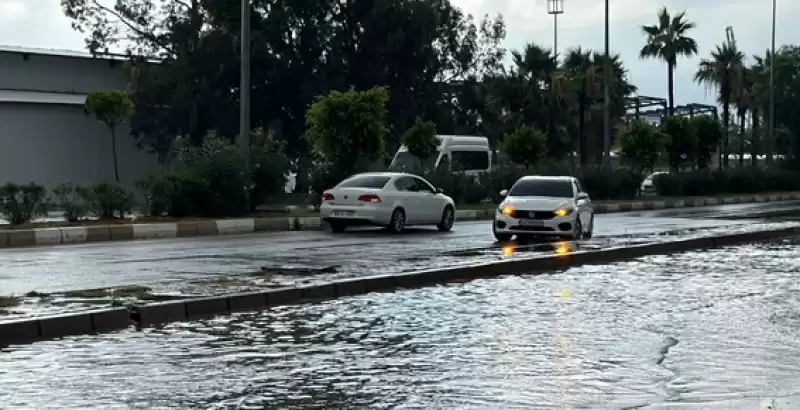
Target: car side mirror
(583,196)
(439,191)
(504,192)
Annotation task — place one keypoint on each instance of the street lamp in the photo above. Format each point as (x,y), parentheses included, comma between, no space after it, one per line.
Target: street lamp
(607,99)
(244,84)
(554,8)
(771,128)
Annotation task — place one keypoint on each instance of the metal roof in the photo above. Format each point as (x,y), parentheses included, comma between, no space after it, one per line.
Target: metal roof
(59,53)
(38,97)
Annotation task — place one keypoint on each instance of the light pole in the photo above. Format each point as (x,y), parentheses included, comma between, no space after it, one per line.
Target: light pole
(607,99)
(244,85)
(771,128)
(555,8)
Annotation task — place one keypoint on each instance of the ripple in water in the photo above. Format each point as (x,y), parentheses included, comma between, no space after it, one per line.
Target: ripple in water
(716,329)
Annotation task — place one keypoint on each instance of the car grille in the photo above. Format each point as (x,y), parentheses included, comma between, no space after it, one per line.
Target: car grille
(522,214)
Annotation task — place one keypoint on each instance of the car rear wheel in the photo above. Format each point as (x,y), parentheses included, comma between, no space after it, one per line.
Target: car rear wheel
(398,222)
(337,226)
(448,217)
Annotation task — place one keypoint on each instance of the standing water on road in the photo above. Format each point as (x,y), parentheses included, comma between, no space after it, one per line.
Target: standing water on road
(715,329)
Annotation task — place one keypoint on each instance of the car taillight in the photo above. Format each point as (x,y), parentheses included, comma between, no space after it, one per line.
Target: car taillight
(370,198)
(327,197)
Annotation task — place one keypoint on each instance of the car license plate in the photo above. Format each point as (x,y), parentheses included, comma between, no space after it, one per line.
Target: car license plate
(341,214)
(530,223)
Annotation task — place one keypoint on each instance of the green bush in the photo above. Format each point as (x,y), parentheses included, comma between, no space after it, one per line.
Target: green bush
(731,181)
(269,167)
(68,198)
(19,204)
(210,180)
(601,183)
(107,201)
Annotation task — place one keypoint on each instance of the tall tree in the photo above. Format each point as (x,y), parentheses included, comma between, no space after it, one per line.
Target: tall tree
(667,41)
(720,71)
(112,108)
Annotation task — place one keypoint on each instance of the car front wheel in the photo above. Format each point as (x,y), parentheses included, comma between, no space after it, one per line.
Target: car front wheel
(448,217)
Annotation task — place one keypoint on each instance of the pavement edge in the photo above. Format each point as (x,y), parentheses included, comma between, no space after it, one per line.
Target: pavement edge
(108,320)
(10,238)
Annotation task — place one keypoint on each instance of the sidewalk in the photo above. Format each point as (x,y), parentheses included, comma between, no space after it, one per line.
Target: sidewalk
(137,231)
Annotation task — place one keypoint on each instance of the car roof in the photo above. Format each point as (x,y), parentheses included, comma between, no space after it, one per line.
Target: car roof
(382,174)
(546,178)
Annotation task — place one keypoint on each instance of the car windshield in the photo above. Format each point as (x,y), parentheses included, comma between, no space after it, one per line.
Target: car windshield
(543,187)
(365,181)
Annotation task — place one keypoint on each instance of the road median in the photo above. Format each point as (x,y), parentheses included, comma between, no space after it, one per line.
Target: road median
(147,315)
(69,235)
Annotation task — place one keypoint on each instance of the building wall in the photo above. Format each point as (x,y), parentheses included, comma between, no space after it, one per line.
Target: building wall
(52,143)
(55,141)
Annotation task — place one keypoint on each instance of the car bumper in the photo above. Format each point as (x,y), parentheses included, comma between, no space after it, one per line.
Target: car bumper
(557,226)
(367,214)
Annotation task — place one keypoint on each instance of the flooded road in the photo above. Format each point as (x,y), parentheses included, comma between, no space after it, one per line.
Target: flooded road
(688,331)
(52,269)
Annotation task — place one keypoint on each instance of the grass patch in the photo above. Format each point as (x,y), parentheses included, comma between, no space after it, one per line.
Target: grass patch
(134,291)
(10,301)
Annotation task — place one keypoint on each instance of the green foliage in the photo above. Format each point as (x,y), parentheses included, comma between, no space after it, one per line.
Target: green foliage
(19,204)
(68,198)
(347,128)
(107,201)
(269,166)
(732,181)
(421,141)
(709,135)
(110,107)
(213,180)
(682,141)
(526,146)
(642,145)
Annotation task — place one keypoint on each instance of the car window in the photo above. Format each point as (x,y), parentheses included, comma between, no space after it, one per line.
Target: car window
(405,184)
(365,181)
(470,160)
(423,186)
(559,188)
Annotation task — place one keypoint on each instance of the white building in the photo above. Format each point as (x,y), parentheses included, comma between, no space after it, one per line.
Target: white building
(45,135)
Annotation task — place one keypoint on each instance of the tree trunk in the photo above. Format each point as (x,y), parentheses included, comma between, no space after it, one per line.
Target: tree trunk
(726,119)
(671,88)
(742,118)
(114,154)
(754,139)
(582,125)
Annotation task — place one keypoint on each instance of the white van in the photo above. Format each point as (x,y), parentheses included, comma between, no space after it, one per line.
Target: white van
(467,154)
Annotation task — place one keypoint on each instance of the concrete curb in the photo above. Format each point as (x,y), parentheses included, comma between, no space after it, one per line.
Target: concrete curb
(45,328)
(105,233)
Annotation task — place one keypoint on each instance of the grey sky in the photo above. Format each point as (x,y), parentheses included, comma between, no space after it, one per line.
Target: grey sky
(39,23)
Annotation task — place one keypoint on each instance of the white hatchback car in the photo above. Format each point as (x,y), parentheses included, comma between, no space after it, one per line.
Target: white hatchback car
(544,206)
(390,199)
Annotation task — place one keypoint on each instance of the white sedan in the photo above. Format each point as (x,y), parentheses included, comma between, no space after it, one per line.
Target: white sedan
(390,199)
(544,206)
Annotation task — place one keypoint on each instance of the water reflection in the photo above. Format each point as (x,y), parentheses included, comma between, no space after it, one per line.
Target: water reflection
(691,328)
(558,248)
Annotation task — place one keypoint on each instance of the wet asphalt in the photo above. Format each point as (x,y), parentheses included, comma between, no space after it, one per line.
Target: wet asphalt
(300,254)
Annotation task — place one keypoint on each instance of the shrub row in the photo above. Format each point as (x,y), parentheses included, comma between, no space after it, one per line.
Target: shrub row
(19,204)
(731,181)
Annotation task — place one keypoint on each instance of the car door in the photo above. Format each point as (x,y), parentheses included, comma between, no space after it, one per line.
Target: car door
(430,208)
(584,206)
(409,197)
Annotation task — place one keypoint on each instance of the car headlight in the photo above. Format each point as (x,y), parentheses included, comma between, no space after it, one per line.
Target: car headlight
(563,211)
(505,210)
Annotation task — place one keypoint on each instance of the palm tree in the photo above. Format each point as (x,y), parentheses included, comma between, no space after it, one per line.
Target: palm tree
(579,67)
(741,92)
(721,71)
(666,41)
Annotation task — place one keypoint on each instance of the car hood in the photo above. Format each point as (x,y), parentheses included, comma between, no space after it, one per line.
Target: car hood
(538,203)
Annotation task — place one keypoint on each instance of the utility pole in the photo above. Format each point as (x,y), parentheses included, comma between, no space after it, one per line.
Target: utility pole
(555,8)
(244,85)
(607,99)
